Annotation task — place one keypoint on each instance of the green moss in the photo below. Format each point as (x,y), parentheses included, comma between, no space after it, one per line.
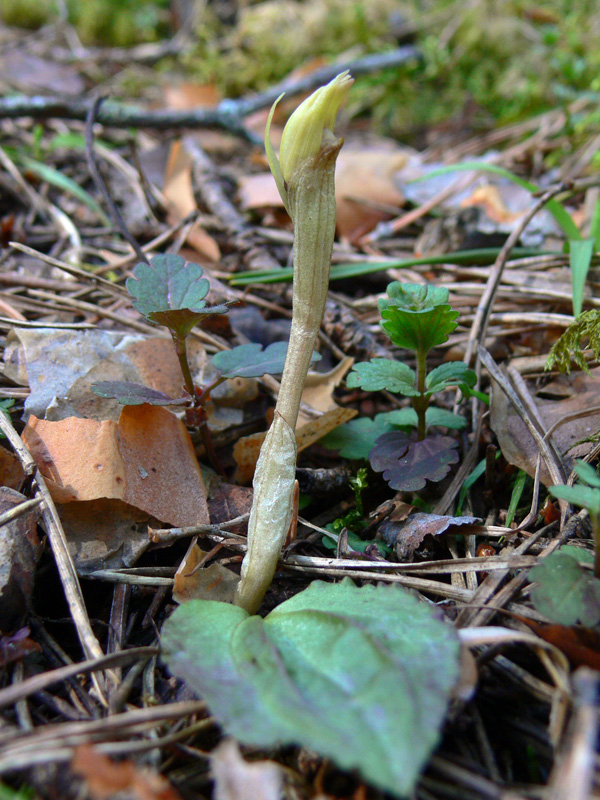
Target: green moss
(30,14)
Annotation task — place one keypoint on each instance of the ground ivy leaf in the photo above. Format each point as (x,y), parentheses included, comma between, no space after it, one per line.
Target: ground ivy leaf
(133,394)
(566,592)
(407,465)
(251,361)
(452,373)
(383,373)
(356,439)
(344,671)
(170,291)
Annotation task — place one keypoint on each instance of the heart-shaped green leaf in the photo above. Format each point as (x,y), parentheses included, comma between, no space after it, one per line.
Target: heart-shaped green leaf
(361,676)
(382,373)
(170,291)
(251,361)
(566,592)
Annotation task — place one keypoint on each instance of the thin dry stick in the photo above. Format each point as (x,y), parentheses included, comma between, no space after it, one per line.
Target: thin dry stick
(16,692)
(56,535)
(116,215)
(486,301)
(551,461)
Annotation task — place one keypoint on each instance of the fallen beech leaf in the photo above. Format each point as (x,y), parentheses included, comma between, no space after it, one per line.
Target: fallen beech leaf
(179,192)
(580,645)
(407,536)
(365,185)
(146,459)
(237,779)
(518,446)
(106,777)
(19,552)
(11,469)
(214,582)
(105,534)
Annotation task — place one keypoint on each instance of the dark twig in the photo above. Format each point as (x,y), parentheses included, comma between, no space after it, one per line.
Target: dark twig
(116,215)
(228,115)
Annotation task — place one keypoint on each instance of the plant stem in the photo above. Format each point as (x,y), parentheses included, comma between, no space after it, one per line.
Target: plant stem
(181,350)
(421,403)
(595,520)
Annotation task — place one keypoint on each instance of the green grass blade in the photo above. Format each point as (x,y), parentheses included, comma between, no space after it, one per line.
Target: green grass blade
(580,257)
(66,184)
(595,227)
(515,498)
(482,256)
(558,211)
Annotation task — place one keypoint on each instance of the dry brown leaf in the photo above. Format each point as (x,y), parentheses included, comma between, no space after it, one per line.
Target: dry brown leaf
(19,552)
(106,777)
(146,459)
(214,582)
(518,446)
(105,534)
(179,192)
(364,180)
(246,450)
(490,199)
(191,95)
(237,779)
(320,386)
(11,469)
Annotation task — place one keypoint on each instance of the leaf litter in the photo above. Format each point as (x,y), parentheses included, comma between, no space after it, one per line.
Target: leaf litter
(82,332)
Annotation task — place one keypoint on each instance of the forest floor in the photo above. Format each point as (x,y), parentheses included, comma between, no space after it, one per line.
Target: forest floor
(95,560)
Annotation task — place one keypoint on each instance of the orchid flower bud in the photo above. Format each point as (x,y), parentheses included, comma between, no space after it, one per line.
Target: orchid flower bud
(305,131)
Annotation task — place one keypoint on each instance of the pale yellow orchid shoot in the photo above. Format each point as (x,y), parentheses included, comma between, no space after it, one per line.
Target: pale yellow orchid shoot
(304,174)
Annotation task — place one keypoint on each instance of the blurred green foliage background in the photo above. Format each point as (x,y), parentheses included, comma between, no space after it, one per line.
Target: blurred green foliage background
(499,60)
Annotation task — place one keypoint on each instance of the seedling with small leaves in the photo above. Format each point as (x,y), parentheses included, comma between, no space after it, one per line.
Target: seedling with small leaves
(171,291)
(567,591)
(400,443)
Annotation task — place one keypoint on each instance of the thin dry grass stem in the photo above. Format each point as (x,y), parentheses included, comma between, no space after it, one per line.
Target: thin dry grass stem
(576,762)
(548,454)
(29,686)
(52,743)
(479,327)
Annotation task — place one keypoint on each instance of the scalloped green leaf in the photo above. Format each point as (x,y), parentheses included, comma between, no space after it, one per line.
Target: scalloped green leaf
(355,439)
(170,291)
(382,373)
(419,331)
(451,373)
(134,394)
(440,417)
(361,676)
(587,474)
(583,496)
(414,296)
(251,361)
(566,592)
(407,464)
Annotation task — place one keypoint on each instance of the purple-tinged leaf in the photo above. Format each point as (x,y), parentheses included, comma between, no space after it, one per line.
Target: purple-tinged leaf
(407,464)
(134,394)
(407,536)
